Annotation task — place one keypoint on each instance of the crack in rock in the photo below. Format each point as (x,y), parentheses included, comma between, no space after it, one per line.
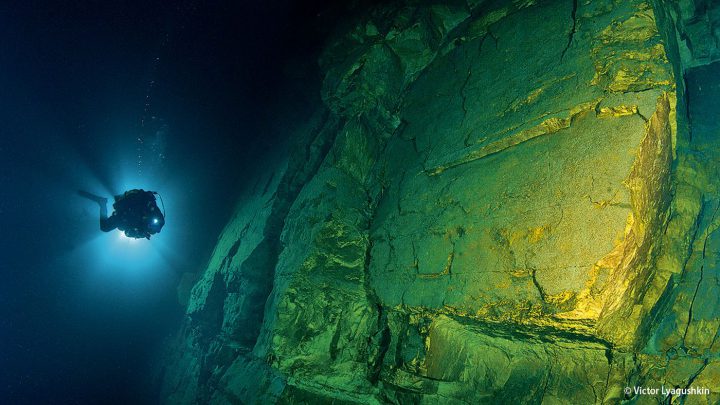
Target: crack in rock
(463,95)
(535,281)
(573,15)
(702,271)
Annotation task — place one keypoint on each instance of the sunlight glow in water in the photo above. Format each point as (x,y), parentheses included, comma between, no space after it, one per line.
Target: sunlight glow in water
(122,238)
(114,257)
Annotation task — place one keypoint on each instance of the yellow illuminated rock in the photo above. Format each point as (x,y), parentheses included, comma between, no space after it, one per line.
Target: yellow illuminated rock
(499,202)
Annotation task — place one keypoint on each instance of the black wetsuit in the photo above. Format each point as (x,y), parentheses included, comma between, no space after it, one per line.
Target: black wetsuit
(136,214)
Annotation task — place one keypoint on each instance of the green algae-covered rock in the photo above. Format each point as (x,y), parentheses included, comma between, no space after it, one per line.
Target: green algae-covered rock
(498,203)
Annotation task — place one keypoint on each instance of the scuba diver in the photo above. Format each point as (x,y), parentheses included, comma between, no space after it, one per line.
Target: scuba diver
(135,213)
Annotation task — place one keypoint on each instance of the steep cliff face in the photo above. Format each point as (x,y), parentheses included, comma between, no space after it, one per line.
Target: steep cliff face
(497,202)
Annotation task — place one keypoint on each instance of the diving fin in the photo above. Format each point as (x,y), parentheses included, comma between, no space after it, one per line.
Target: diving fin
(92,197)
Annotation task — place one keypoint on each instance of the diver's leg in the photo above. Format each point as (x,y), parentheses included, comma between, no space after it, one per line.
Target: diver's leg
(104,223)
(107,224)
(92,197)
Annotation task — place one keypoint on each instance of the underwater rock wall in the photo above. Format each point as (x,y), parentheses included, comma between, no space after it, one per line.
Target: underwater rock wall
(696,30)
(495,204)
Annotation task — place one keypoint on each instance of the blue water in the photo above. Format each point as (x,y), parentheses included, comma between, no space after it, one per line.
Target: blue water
(83,314)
